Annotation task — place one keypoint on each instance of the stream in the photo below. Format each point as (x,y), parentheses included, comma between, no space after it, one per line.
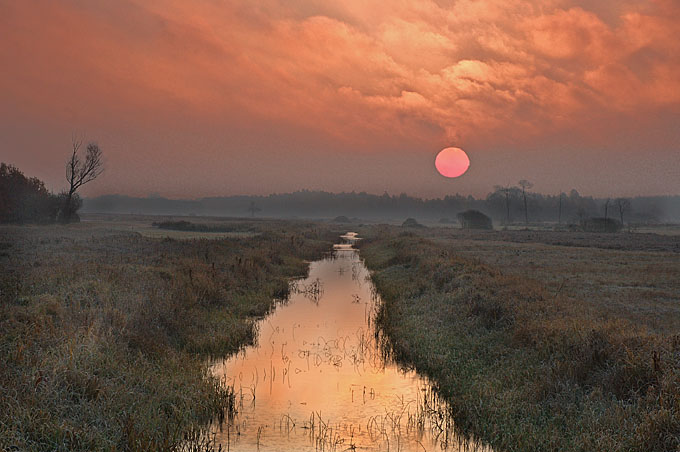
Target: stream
(318,378)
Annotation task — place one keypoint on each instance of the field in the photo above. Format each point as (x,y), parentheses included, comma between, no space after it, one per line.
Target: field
(630,276)
(144,226)
(107,332)
(541,340)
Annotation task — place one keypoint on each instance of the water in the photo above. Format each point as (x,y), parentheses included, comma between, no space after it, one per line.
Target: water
(318,379)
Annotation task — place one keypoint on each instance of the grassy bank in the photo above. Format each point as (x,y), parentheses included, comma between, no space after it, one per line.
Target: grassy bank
(104,334)
(527,366)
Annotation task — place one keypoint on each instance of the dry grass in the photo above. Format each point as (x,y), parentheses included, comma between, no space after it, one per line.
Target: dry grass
(538,347)
(106,333)
(143,225)
(637,285)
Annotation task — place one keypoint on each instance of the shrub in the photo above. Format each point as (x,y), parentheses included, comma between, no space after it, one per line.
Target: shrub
(601,224)
(411,223)
(474,219)
(25,200)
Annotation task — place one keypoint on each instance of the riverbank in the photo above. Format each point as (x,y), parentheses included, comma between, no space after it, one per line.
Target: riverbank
(525,366)
(105,334)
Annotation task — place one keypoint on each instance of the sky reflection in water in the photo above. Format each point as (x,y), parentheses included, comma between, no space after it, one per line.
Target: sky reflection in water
(317,380)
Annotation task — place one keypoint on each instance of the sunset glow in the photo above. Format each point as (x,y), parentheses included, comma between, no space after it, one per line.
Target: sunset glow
(310,225)
(556,91)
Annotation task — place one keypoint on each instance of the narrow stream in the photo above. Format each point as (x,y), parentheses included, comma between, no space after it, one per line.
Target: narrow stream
(317,379)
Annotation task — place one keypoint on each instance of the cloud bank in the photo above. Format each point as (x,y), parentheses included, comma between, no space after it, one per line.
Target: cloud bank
(357,76)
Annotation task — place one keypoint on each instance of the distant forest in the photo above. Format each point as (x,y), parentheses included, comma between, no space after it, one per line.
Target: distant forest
(503,204)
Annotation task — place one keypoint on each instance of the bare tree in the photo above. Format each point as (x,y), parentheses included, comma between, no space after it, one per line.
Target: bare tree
(606,212)
(559,215)
(623,205)
(526,185)
(79,172)
(253,209)
(582,215)
(506,192)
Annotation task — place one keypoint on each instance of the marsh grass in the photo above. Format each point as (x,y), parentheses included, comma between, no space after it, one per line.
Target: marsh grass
(524,366)
(106,335)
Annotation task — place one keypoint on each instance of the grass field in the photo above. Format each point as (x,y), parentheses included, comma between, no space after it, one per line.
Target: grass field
(144,226)
(541,341)
(106,332)
(631,276)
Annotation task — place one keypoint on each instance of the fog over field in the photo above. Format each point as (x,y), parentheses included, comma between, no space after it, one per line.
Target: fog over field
(363,206)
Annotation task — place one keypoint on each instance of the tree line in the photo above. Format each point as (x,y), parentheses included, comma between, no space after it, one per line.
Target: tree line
(27,200)
(506,205)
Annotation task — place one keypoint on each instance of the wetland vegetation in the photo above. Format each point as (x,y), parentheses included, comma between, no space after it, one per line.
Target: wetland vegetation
(538,346)
(106,333)
(537,340)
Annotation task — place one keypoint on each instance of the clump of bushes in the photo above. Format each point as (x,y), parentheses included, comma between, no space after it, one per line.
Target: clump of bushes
(411,223)
(26,200)
(474,219)
(601,224)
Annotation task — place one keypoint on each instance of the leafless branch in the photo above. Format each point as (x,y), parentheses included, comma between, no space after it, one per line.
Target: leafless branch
(79,172)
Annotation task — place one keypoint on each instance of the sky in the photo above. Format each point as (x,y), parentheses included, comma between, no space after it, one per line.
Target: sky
(222,97)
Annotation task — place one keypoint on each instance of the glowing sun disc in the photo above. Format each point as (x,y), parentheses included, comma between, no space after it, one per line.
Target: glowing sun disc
(452,162)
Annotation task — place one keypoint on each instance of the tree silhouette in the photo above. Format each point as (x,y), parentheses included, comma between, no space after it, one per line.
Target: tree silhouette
(623,205)
(253,209)
(559,215)
(79,172)
(506,191)
(526,185)
(25,199)
(606,212)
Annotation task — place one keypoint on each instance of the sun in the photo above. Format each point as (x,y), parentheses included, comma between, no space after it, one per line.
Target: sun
(452,162)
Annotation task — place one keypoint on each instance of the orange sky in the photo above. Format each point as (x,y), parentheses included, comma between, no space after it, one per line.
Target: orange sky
(212,97)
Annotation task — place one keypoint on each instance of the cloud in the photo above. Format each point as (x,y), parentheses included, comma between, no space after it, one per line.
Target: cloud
(369,75)
(474,64)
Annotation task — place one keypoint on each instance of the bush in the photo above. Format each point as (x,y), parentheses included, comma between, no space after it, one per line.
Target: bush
(411,223)
(25,200)
(474,219)
(601,224)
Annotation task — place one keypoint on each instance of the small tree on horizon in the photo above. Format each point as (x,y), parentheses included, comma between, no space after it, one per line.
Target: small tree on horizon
(78,173)
(506,190)
(253,209)
(606,212)
(623,206)
(559,215)
(526,185)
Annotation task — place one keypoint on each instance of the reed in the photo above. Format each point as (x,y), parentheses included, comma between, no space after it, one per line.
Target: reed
(106,336)
(525,367)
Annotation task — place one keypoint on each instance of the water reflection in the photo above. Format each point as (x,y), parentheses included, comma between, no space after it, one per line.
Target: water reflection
(317,379)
